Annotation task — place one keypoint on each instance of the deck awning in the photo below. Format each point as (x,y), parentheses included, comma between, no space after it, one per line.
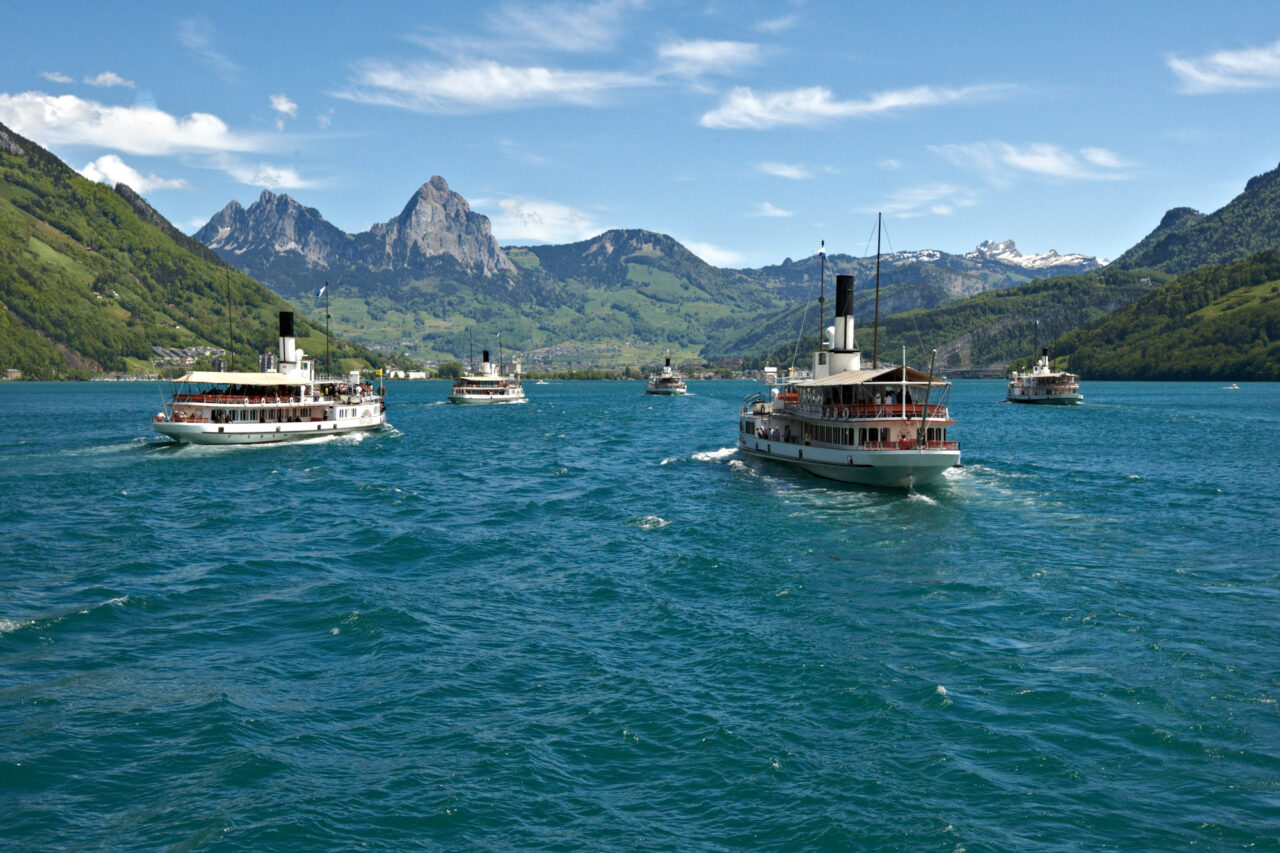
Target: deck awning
(222,377)
(882,375)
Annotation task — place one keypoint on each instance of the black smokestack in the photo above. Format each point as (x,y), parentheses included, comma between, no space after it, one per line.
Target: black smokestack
(668,361)
(1044,351)
(485,357)
(286,324)
(844,296)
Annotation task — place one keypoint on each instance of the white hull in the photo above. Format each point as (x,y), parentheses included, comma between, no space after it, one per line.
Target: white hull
(1053,400)
(667,392)
(899,469)
(490,400)
(264,433)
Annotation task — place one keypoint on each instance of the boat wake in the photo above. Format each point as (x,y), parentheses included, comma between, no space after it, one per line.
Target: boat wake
(714,455)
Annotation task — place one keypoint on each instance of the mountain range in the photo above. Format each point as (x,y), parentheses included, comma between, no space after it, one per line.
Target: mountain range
(419,281)
(93,279)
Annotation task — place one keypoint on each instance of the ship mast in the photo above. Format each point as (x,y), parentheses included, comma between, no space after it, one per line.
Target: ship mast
(875,336)
(822,284)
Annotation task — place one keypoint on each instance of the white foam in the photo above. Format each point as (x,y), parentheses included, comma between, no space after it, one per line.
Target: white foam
(8,625)
(714,455)
(651,522)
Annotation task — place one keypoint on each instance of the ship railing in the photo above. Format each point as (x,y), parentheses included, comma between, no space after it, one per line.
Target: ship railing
(909,444)
(870,411)
(235,399)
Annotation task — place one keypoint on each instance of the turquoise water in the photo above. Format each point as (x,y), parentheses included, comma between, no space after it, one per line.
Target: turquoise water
(585,623)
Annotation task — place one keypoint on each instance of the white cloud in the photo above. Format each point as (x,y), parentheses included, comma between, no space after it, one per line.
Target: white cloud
(795,172)
(196,35)
(1001,162)
(285,107)
(68,120)
(700,56)
(56,77)
(569,27)
(777,25)
(111,170)
(764,208)
(325,119)
(523,220)
(429,88)
(936,199)
(891,164)
(264,175)
(712,254)
(109,78)
(282,104)
(1228,70)
(743,108)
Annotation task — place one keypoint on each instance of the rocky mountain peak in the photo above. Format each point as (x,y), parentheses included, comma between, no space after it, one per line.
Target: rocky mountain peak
(435,222)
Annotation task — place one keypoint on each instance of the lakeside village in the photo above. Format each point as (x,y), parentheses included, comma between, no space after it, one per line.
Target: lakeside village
(580,363)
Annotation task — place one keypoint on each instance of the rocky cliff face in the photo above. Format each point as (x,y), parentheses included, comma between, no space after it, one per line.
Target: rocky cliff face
(436,222)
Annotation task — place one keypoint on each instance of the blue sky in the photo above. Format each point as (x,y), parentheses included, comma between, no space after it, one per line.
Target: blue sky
(749,131)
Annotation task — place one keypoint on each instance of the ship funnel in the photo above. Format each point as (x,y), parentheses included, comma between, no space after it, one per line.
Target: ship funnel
(844,296)
(1045,352)
(287,345)
(668,361)
(484,356)
(842,340)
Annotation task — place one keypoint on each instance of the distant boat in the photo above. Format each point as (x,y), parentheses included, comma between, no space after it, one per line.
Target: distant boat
(668,382)
(541,382)
(488,386)
(1233,387)
(1043,384)
(231,407)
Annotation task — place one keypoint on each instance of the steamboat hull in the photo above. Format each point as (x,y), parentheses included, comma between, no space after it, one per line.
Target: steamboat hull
(892,469)
(222,434)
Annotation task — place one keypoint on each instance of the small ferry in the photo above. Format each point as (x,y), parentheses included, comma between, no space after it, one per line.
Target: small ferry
(667,382)
(1043,384)
(876,426)
(488,386)
(230,407)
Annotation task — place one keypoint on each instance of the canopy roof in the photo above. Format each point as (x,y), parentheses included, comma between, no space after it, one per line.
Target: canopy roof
(223,377)
(883,374)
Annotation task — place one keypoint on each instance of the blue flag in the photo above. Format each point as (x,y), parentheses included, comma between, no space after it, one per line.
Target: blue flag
(321,291)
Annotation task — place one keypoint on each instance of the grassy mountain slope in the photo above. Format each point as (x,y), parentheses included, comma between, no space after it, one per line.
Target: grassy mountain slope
(1215,323)
(88,284)
(990,329)
(1186,240)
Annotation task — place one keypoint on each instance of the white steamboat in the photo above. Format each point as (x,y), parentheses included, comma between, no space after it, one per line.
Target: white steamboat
(229,407)
(667,382)
(1043,384)
(878,426)
(489,385)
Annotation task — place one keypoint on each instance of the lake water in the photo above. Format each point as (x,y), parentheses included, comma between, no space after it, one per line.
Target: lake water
(586,623)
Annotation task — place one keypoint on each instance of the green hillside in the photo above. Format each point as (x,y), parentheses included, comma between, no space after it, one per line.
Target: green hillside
(1186,240)
(984,331)
(87,284)
(1216,323)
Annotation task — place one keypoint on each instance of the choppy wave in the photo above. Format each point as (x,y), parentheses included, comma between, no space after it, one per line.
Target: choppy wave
(588,623)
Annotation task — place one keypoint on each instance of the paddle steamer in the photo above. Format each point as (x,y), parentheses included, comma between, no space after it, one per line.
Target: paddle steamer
(668,382)
(874,426)
(1043,384)
(489,385)
(230,407)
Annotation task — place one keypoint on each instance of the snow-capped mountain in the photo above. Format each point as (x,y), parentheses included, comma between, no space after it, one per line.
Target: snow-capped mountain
(1006,252)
